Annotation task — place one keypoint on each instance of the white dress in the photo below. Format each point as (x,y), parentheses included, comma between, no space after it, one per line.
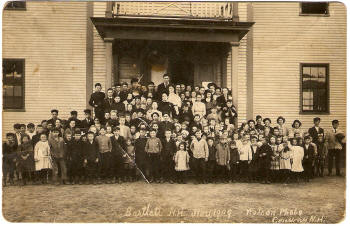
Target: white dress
(297,154)
(181,161)
(175,99)
(41,154)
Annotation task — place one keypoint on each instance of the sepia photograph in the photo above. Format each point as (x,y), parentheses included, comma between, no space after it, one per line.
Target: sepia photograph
(174,112)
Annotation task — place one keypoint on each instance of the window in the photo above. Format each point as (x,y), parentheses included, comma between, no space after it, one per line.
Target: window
(314,8)
(13,84)
(314,88)
(16,5)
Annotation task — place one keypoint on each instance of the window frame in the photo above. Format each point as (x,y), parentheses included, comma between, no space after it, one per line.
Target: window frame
(327,66)
(313,14)
(23,109)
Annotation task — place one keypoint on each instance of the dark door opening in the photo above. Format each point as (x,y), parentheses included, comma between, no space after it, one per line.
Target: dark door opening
(181,71)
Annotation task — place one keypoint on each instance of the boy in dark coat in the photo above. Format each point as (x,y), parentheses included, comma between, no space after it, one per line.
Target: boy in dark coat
(316,130)
(9,154)
(211,164)
(167,155)
(234,162)
(97,100)
(309,157)
(140,154)
(118,149)
(91,158)
(75,158)
(264,154)
(322,152)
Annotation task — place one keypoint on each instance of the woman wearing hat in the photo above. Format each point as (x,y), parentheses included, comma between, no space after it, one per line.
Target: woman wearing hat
(296,129)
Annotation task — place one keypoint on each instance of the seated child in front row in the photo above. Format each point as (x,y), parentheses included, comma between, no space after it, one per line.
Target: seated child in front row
(182,159)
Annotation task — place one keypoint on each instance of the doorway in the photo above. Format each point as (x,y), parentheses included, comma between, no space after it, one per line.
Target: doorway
(181,71)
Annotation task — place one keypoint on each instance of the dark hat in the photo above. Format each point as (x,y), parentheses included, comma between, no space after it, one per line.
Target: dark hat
(267,119)
(87,111)
(98,84)
(335,121)
(317,119)
(280,117)
(295,121)
(73,112)
(116,128)
(54,110)
(257,117)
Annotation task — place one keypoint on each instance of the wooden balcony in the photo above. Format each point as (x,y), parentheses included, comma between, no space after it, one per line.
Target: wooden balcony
(180,10)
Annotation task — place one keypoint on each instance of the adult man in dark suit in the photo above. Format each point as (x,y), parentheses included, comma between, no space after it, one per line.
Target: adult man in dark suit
(108,102)
(96,101)
(222,100)
(87,122)
(316,130)
(166,125)
(163,87)
(118,89)
(54,114)
(334,147)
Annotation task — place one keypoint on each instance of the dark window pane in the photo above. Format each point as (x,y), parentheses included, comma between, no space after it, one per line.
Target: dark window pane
(13,83)
(314,7)
(314,88)
(16,5)
(17,92)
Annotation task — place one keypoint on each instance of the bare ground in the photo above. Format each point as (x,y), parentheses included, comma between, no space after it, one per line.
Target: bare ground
(320,201)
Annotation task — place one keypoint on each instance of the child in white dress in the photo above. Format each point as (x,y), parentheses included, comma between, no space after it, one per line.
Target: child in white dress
(182,159)
(42,158)
(296,156)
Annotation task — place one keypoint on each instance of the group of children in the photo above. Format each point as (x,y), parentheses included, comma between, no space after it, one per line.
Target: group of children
(169,134)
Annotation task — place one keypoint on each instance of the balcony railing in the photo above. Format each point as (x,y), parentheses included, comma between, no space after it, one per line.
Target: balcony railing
(192,10)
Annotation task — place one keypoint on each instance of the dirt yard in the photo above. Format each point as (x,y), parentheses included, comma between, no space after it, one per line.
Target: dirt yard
(320,201)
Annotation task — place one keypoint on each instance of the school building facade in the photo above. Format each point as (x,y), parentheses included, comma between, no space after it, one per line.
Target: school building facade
(278,58)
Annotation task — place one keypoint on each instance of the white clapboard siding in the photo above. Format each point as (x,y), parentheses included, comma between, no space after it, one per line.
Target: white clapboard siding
(242,69)
(283,40)
(51,37)
(99,52)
